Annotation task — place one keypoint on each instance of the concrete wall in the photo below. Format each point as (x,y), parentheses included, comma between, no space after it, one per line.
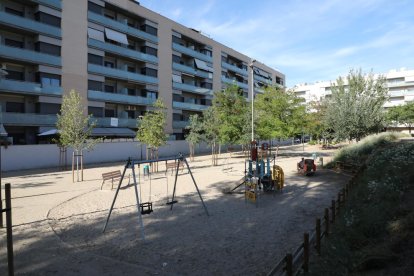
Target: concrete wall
(21,157)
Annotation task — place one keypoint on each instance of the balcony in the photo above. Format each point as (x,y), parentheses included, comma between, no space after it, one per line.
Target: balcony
(260,78)
(122,27)
(191,52)
(121,74)
(119,98)
(192,88)
(189,106)
(192,71)
(106,122)
(180,124)
(33,88)
(28,56)
(28,119)
(231,81)
(234,68)
(57,4)
(28,24)
(125,52)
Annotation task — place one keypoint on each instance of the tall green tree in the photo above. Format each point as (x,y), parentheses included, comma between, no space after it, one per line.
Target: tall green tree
(151,127)
(75,127)
(195,133)
(211,132)
(402,114)
(355,108)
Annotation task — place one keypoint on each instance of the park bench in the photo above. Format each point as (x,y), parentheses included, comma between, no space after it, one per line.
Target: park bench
(113,176)
(173,166)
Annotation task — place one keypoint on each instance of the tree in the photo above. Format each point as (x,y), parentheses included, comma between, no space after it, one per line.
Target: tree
(195,133)
(314,125)
(402,114)
(74,128)
(211,132)
(151,129)
(355,108)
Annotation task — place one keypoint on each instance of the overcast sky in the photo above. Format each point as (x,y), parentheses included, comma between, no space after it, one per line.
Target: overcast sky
(307,40)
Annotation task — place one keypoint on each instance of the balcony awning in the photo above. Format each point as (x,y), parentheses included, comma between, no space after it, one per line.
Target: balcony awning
(116,36)
(202,65)
(177,78)
(95,34)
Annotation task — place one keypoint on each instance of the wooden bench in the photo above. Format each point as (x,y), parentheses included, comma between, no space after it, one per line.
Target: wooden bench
(173,166)
(113,176)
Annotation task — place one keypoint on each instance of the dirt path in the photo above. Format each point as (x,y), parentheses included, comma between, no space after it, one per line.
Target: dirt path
(60,232)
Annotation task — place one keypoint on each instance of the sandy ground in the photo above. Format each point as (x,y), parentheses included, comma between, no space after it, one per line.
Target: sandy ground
(58,224)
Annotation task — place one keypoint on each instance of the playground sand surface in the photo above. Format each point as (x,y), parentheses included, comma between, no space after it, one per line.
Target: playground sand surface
(58,224)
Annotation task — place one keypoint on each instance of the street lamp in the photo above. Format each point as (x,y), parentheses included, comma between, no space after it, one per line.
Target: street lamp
(3,134)
(252,86)
(140,120)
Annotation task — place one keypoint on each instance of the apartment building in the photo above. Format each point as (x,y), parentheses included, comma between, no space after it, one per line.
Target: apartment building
(120,57)
(400,86)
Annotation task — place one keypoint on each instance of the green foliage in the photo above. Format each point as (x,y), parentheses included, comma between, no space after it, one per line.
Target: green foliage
(230,108)
(195,128)
(210,126)
(73,125)
(402,114)
(355,109)
(151,126)
(278,114)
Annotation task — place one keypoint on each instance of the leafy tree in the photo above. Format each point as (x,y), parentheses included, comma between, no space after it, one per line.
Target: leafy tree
(151,128)
(211,132)
(195,134)
(315,126)
(402,114)
(355,108)
(74,126)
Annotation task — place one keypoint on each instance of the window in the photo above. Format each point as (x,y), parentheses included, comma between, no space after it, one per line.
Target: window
(95,111)
(95,59)
(176,40)
(149,94)
(131,91)
(109,64)
(95,8)
(149,50)
(149,29)
(14,107)
(94,85)
(110,113)
(47,108)
(207,85)
(13,11)
(177,78)
(178,98)
(131,69)
(176,59)
(149,72)
(14,75)
(177,117)
(131,114)
(47,48)
(13,43)
(48,19)
(49,80)
(109,88)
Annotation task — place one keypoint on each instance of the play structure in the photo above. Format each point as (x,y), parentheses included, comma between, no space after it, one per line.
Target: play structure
(306,167)
(259,174)
(145,208)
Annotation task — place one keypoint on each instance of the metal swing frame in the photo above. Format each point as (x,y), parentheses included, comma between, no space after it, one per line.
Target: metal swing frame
(130,164)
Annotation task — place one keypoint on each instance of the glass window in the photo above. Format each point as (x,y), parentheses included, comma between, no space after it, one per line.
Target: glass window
(149,29)
(13,43)
(109,113)
(14,75)
(48,80)
(176,59)
(94,85)
(47,48)
(95,111)
(149,72)
(13,11)
(95,8)
(48,19)
(109,88)
(14,107)
(149,50)
(109,64)
(151,95)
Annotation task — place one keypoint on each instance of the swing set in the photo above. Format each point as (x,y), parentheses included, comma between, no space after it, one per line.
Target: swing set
(145,208)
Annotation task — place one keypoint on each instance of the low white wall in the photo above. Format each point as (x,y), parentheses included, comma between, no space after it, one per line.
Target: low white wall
(21,157)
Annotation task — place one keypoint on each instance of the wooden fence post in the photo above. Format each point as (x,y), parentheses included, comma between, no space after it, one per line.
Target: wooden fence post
(326,218)
(333,210)
(306,252)
(289,265)
(318,236)
(10,260)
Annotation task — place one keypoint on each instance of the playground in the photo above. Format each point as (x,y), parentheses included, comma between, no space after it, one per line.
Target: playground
(58,225)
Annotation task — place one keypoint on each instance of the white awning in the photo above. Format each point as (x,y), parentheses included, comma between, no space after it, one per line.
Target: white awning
(202,65)
(177,78)
(116,36)
(95,34)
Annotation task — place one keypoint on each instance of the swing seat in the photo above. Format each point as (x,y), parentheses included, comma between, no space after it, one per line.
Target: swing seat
(171,202)
(146,208)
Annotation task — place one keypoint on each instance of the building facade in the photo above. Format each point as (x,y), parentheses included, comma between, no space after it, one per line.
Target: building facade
(119,56)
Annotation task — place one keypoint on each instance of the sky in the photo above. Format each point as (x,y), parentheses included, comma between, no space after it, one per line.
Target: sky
(307,40)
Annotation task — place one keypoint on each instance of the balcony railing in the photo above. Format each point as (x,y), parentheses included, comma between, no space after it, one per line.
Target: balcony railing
(29,88)
(192,71)
(191,52)
(180,124)
(28,24)
(122,51)
(28,119)
(230,81)
(28,56)
(51,3)
(119,98)
(260,78)
(234,68)
(122,122)
(192,88)
(189,106)
(121,74)
(120,26)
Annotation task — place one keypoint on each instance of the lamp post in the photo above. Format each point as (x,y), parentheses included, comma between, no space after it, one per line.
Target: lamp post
(140,120)
(3,134)
(252,86)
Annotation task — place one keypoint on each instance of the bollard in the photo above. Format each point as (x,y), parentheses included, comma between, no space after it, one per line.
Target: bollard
(10,260)
(318,236)
(289,265)
(326,217)
(333,210)
(305,252)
